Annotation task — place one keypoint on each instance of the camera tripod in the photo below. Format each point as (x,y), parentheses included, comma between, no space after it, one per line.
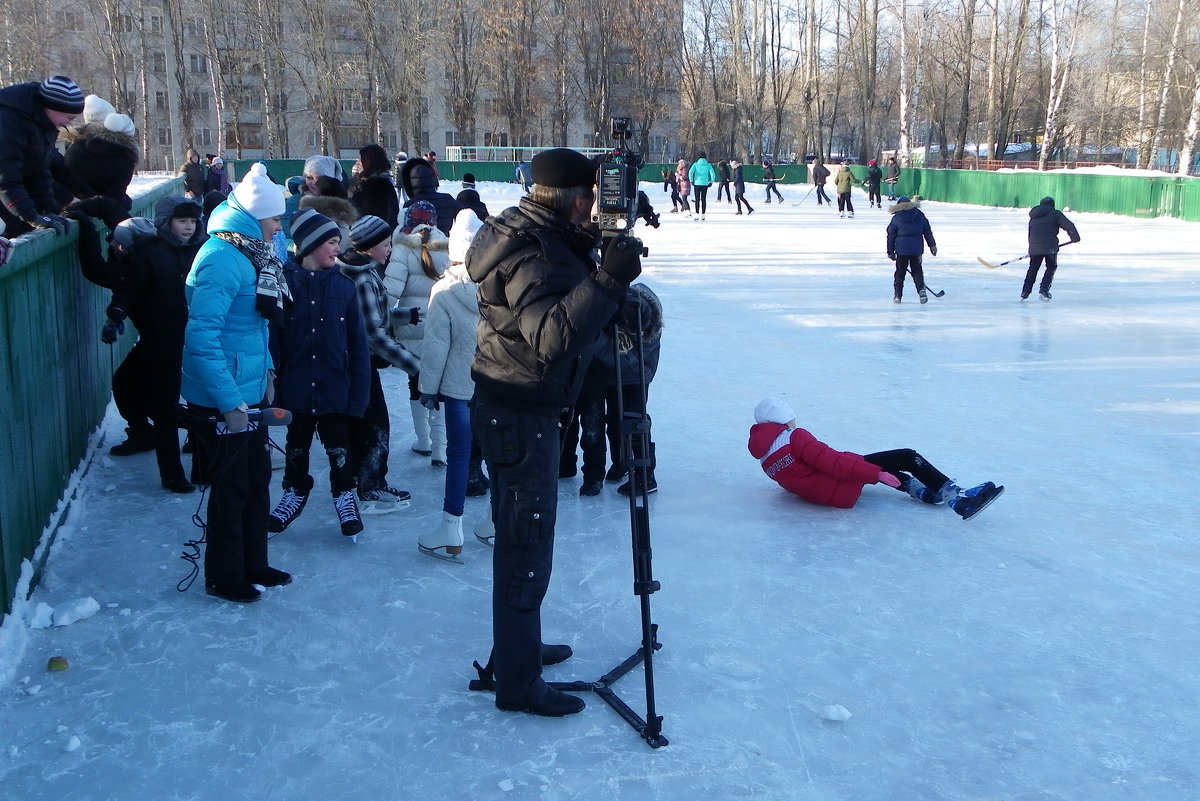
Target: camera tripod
(636,455)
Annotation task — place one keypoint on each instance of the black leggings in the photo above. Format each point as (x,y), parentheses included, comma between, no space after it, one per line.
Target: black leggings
(701,198)
(904,461)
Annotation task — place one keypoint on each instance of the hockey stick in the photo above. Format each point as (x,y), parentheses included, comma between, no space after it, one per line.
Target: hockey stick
(810,191)
(933,292)
(268,416)
(991,266)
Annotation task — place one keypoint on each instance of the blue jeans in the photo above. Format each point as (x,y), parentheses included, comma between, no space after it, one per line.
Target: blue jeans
(458,452)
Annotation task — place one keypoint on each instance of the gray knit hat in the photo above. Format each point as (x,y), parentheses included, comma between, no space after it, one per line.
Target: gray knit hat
(59,93)
(310,230)
(367,232)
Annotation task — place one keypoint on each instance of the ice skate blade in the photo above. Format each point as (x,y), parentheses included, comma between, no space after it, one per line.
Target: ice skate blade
(381,507)
(990,501)
(450,555)
(488,541)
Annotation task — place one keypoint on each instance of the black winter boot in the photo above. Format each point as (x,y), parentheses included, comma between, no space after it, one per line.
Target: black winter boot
(138,440)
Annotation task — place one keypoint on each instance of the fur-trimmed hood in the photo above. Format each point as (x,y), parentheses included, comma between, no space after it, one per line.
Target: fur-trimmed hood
(904,206)
(340,210)
(412,240)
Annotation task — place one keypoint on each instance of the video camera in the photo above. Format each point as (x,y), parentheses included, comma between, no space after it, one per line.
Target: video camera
(619,204)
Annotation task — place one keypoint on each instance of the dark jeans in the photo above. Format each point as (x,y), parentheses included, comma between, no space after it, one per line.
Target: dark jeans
(821,196)
(845,203)
(740,198)
(239,499)
(701,200)
(724,187)
(521,451)
(772,188)
(903,265)
(907,461)
(873,194)
(334,430)
(457,414)
(370,438)
(1035,262)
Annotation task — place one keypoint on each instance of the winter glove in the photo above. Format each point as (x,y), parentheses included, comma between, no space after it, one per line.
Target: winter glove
(60,225)
(889,479)
(109,210)
(933,250)
(115,314)
(429,401)
(891,255)
(110,332)
(623,259)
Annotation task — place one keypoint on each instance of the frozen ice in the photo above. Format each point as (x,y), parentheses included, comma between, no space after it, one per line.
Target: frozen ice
(835,712)
(1047,649)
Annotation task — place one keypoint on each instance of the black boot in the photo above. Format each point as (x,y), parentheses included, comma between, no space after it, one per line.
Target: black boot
(547,702)
(139,439)
(651,484)
(477,483)
(241,592)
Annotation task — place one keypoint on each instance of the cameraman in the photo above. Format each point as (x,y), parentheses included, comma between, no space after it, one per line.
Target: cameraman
(542,302)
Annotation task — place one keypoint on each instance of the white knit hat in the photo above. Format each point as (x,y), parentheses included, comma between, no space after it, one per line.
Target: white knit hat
(466,223)
(96,109)
(773,410)
(120,123)
(258,194)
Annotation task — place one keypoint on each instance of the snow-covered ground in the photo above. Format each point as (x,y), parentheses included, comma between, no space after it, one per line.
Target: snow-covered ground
(1047,649)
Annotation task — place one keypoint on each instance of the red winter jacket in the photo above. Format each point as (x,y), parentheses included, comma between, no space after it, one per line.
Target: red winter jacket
(807,467)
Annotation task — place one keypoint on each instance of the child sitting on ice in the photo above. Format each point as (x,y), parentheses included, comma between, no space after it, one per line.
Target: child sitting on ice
(805,466)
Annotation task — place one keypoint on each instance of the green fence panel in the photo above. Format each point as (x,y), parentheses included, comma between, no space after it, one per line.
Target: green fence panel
(55,382)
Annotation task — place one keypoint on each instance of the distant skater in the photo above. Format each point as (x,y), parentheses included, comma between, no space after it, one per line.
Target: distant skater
(1045,222)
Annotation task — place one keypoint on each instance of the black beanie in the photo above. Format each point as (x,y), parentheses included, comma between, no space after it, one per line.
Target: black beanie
(563,168)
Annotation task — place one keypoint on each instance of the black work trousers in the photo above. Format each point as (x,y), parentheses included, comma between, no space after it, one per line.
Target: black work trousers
(522,451)
(1035,262)
(903,265)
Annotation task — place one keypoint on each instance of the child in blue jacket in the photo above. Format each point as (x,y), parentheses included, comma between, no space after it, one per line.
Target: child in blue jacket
(324,370)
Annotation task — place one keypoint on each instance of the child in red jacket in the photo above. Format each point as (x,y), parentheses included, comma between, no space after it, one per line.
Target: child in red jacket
(805,466)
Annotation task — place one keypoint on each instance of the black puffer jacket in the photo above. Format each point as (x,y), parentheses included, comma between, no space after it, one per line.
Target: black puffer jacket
(376,195)
(105,160)
(420,182)
(26,154)
(150,288)
(1045,222)
(542,304)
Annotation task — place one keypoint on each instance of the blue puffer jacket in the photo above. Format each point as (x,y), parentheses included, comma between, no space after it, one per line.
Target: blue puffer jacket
(909,230)
(321,347)
(225,354)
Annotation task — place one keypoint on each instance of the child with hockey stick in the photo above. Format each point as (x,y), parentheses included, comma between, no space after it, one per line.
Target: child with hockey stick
(370,436)
(324,370)
(907,233)
(805,466)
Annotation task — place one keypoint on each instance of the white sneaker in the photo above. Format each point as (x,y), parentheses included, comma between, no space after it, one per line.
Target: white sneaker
(444,542)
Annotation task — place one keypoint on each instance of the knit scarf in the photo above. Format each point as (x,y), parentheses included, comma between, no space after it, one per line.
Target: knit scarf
(272,290)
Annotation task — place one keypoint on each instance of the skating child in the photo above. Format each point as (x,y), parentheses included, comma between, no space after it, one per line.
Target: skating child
(1045,222)
(364,264)
(445,380)
(805,466)
(907,234)
(324,370)
(873,180)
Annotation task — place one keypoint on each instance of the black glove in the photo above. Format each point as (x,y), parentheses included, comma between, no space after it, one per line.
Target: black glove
(115,314)
(110,210)
(623,259)
(891,255)
(52,221)
(429,401)
(110,332)
(933,250)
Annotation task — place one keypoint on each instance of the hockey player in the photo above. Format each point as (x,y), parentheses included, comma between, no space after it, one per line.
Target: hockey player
(805,466)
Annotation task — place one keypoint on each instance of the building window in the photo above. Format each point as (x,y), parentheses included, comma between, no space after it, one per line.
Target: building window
(281,101)
(453,139)
(158,61)
(313,140)
(198,63)
(160,100)
(155,23)
(191,29)
(251,136)
(121,23)
(390,140)
(202,137)
(528,140)
(74,62)
(497,139)
(164,137)
(72,20)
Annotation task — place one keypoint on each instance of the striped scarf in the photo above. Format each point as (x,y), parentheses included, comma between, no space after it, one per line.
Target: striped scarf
(272,290)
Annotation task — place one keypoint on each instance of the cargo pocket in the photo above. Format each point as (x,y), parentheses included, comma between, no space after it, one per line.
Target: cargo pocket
(535,515)
(499,439)
(527,586)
